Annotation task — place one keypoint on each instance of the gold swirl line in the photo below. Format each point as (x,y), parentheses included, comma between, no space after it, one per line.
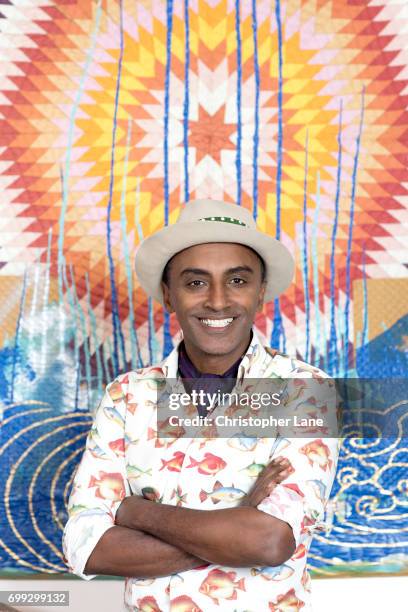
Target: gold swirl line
(67,485)
(56,476)
(348,468)
(385,467)
(15,416)
(28,403)
(55,450)
(357,527)
(372,530)
(34,425)
(371,454)
(386,411)
(319,558)
(13,470)
(377,517)
(332,542)
(396,451)
(26,563)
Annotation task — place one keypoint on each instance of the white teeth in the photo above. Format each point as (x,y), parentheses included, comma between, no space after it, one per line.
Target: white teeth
(216,322)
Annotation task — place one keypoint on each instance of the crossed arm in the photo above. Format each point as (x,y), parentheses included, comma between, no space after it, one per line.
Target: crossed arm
(151,539)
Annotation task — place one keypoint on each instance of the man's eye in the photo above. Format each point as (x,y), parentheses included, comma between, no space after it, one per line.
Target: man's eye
(238,281)
(195,283)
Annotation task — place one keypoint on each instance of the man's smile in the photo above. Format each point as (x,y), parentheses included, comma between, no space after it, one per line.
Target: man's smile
(217,324)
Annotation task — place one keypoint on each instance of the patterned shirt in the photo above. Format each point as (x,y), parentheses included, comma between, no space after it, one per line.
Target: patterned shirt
(124,455)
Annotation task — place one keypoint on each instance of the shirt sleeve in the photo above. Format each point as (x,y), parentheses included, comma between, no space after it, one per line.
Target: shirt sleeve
(300,500)
(100,482)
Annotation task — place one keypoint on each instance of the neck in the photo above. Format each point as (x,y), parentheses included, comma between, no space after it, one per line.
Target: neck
(215,364)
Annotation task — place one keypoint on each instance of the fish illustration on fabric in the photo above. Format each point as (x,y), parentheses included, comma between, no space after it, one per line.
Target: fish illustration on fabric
(221,585)
(318,488)
(220,493)
(292,487)
(184,603)
(130,441)
(148,604)
(96,451)
(76,508)
(109,485)
(280,572)
(317,452)
(279,445)
(131,406)
(116,392)
(288,602)
(157,383)
(133,472)
(181,497)
(152,494)
(299,552)
(118,446)
(242,442)
(306,581)
(253,469)
(210,465)
(174,464)
(169,433)
(114,415)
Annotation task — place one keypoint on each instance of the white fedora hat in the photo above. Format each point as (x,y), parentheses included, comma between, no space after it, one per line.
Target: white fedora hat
(203,221)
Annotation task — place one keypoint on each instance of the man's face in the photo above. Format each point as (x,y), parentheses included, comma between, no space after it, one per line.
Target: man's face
(215,289)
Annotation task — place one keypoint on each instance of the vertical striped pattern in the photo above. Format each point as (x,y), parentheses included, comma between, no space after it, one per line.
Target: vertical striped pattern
(186,103)
(305,255)
(350,238)
(256,111)
(278,333)
(169,24)
(16,348)
(116,323)
(333,354)
(167,343)
(66,173)
(316,292)
(239,95)
(135,349)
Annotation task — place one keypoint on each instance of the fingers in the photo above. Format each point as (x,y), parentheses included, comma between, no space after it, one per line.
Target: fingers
(277,467)
(273,474)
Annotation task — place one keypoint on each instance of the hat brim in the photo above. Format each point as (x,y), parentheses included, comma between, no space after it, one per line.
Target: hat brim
(155,251)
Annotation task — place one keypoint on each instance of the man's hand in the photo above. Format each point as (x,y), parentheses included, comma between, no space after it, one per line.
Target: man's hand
(276,471)
(130,509)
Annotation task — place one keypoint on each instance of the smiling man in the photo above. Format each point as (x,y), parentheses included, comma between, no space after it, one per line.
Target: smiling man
(211,523)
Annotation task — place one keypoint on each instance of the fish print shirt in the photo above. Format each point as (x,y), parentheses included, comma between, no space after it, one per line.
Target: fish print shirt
(124,455)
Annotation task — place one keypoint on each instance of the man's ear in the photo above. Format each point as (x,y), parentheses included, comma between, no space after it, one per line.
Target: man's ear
(166,297)
(261,297)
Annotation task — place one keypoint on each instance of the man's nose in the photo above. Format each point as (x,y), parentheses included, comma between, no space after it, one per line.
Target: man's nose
(217,296)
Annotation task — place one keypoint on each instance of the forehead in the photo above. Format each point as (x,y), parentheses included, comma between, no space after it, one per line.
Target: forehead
(215,256)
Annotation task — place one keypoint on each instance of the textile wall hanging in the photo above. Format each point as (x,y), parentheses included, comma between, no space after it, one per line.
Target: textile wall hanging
(112,114)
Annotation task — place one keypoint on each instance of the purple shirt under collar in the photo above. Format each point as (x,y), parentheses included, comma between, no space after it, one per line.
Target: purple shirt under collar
(211,383)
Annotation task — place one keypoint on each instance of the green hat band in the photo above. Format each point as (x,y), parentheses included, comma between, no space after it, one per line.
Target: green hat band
(225,220)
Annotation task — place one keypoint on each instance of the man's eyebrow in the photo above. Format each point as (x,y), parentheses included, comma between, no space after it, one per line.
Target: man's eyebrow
(202,272)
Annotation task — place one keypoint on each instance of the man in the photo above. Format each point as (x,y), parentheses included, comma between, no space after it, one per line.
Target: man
(217,523)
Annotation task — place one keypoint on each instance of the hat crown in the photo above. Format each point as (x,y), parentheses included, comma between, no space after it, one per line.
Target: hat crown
(207,221)
(215,210)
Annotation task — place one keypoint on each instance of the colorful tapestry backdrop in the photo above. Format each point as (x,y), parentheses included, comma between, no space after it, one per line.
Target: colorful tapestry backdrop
(112,113)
